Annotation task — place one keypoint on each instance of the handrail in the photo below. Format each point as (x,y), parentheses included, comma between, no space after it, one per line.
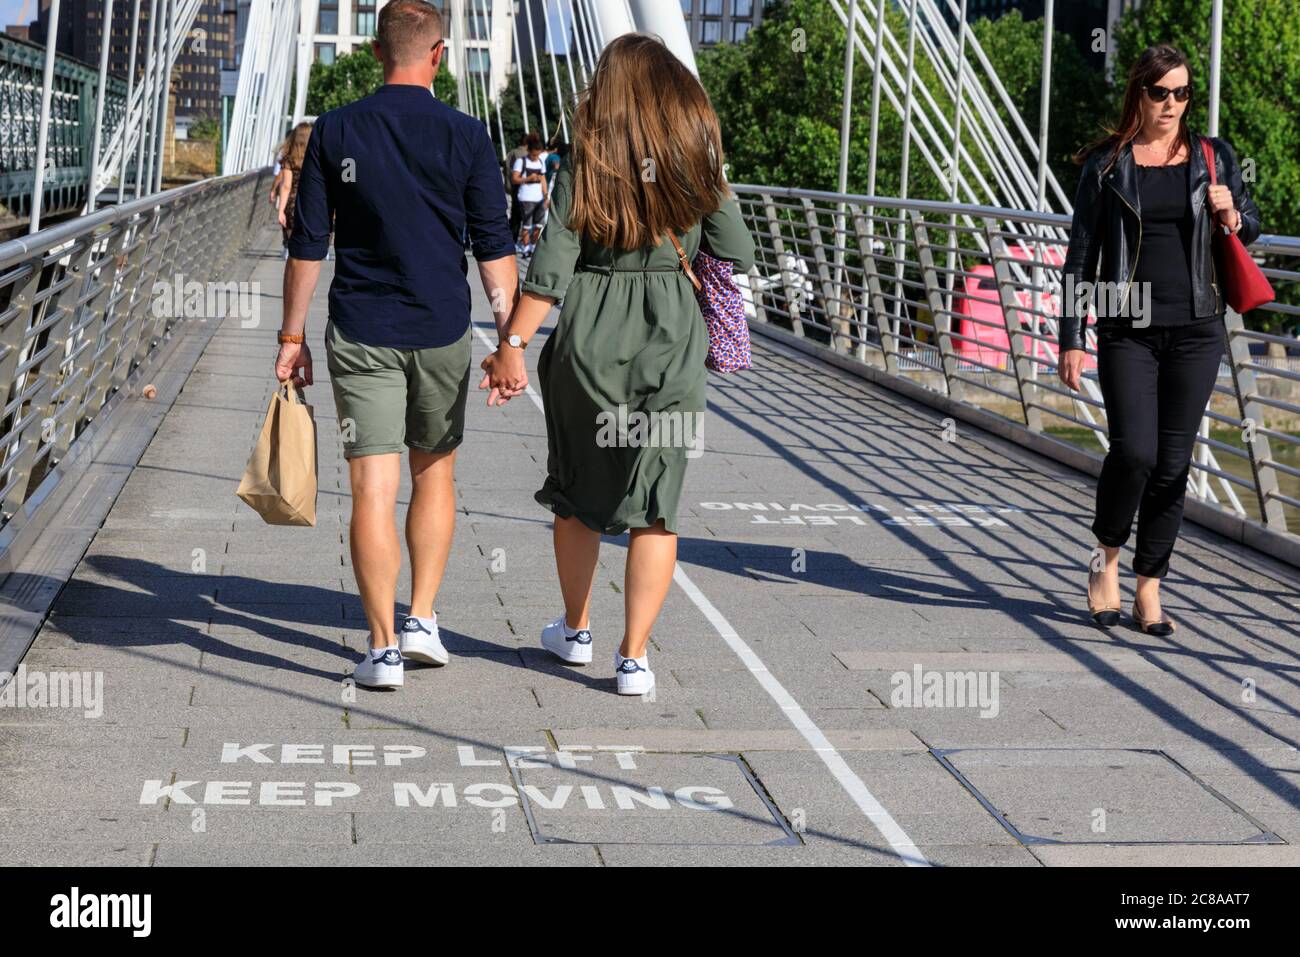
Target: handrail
(77,319)
(960,302)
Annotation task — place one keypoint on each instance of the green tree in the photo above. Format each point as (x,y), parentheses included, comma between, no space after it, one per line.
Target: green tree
(779,93)
(1078,101)
(512,115)
(1259,91)
(357,74)
(208,127)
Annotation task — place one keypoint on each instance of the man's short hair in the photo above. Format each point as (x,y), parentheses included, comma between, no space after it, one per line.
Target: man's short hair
(408,30)
(533,142)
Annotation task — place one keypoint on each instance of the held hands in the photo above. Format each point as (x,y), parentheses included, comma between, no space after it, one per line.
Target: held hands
(1069,368)
(505,374)
(293,361)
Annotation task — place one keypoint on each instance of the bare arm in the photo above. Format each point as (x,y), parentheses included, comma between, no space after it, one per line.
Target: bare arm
(504,371)
(280,194)
(300,277)
(528,316)
(500,278)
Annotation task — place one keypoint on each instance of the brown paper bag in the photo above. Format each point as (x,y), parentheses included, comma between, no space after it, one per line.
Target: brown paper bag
(280,480)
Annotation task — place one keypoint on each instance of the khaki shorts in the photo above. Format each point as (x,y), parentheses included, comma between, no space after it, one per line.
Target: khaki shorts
(391,399)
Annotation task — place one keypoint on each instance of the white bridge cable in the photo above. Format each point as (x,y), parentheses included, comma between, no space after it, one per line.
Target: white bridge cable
(555,70)
(458,43)
(489,18)
(145,148)
(537,71)
(167,34)
(941,29)
(91,193)
(568,45)
(594,30)
(930,138)
(126,119)
(577,41)
(518,66)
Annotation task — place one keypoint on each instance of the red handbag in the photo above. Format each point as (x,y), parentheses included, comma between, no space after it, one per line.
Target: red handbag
(1244,285)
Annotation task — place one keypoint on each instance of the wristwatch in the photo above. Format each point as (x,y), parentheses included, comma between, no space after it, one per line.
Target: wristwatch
(284,337)
(515,342)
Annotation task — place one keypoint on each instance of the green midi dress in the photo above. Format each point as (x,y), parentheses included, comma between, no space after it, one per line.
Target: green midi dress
(622,376)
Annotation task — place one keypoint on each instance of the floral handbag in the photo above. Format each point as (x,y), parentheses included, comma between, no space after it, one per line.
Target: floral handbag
(723,309)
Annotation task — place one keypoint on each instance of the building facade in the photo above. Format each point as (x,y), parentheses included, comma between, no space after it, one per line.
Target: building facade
(344,25)
(196,79)
(711,22)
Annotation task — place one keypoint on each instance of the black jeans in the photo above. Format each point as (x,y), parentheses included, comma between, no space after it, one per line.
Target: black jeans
(1156,383)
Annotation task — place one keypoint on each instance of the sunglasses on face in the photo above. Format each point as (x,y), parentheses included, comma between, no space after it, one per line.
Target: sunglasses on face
(1161,93)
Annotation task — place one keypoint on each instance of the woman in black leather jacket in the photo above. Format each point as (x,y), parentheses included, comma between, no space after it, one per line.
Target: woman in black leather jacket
(1141,254)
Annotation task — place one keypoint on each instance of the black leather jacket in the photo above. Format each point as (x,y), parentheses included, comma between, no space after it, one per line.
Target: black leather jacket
(1106,232)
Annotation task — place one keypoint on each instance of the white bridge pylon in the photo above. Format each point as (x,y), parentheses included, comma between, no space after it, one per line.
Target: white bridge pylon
(143,100)
(278,52)
(277,49)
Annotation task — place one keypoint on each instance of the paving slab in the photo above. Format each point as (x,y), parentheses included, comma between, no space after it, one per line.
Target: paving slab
(837,551)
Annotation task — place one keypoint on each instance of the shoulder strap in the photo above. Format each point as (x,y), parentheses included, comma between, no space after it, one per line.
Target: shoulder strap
(685,263)
(1208,151)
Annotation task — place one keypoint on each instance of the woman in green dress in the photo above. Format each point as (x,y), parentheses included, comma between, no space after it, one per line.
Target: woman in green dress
(623,377)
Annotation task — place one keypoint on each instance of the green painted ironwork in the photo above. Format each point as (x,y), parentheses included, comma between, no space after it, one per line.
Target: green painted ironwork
(72,117)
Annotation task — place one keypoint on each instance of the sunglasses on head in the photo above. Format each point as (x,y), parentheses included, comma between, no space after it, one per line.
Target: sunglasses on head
(1161,93)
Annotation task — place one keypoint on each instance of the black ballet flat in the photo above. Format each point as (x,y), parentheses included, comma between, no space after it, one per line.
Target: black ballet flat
(1156,629)
(1105,616)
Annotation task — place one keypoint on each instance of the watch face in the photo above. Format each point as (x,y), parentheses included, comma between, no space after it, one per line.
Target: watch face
(516,341)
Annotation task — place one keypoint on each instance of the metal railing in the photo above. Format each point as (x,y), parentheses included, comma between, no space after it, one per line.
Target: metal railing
(963,302)
(72,115)
(77,317)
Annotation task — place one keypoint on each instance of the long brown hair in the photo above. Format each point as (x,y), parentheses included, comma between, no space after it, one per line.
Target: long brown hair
(647,150)
(1153,63)
(294,147)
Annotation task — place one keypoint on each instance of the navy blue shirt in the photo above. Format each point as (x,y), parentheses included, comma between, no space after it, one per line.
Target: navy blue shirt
(401,176)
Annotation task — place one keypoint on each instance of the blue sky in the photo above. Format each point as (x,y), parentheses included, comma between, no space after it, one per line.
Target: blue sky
(10,10)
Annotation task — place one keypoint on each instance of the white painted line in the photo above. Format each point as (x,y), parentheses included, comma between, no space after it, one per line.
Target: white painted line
(903,845)
(856,788)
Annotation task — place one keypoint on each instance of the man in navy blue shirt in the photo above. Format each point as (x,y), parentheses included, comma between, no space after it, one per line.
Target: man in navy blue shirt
(398,178)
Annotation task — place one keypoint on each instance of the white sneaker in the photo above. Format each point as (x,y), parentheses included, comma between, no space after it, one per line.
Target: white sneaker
(381,668)
(633,674)
(575,648)
(419,641)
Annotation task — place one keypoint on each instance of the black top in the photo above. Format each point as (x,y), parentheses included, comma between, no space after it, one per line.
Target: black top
(1162,276)
(401,176)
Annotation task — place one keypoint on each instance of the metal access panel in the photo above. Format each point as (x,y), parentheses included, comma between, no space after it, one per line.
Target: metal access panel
(637,797)
(1100,796)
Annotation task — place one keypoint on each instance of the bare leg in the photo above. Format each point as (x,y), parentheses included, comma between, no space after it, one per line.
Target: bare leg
(430,523)
(376,554)
(1107,589)
(576,549)
(651,557)
(1147,601)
